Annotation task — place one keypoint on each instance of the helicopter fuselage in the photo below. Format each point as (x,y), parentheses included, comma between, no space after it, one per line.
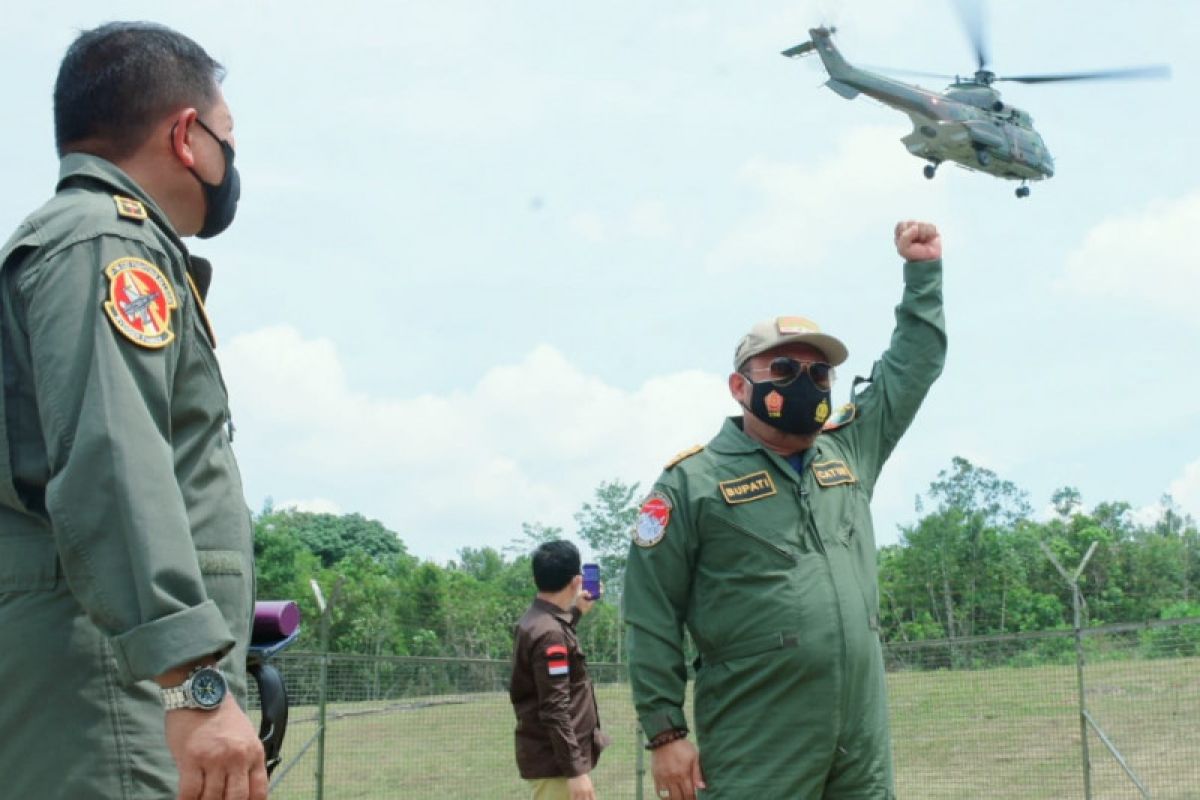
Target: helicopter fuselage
(968,124)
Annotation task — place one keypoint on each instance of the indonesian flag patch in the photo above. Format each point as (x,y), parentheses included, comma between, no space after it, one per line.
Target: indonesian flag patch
(556,660)
(140,301)
(652,520)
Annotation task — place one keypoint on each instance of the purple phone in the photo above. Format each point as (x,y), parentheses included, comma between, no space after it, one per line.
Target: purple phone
(591,580)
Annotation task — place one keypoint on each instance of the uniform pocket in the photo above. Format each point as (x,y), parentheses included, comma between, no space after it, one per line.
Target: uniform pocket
(221,562)
(764,545)
(748,648)
(229,583)
(28,563)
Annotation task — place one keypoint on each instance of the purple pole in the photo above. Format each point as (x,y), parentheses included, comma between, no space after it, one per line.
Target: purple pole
(274,620)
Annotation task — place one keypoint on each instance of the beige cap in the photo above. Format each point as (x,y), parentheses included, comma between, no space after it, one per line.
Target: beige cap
(785,330)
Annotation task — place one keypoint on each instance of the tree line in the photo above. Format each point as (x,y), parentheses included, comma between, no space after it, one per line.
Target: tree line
(970,565)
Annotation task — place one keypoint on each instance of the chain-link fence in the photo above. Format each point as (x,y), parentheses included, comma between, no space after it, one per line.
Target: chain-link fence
(994,717)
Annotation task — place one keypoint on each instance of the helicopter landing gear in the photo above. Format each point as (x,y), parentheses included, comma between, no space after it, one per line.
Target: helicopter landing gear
(931,170)
(1022,191)
(983,156)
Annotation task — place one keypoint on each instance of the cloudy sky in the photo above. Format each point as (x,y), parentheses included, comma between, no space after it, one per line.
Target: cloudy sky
(491,254)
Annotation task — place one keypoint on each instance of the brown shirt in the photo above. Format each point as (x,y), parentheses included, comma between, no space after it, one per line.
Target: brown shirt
(558,726)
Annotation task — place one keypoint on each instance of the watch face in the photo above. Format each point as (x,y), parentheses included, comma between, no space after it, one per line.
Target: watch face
(208,687)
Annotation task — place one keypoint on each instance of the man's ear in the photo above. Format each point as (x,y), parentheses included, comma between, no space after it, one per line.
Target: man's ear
(181,136)
(737,386)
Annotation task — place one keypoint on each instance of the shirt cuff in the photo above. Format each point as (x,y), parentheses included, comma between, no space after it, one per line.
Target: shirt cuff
(921,272)
(656,722)
(155,647)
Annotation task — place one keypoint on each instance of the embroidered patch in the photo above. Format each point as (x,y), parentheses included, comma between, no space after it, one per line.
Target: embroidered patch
(754,486)
(842,416)
(774,404)
(140,300)
(822,412)
(556,660)
(652,520)
(128,208)
(833,473)
(791,325)
(680,456)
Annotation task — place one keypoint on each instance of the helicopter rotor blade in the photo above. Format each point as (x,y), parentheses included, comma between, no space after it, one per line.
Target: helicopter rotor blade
(1132,73)
(916,73)
(971,14)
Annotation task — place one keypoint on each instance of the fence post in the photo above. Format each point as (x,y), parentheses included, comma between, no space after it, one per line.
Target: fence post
(1077,603)
(641,761)
(322,689)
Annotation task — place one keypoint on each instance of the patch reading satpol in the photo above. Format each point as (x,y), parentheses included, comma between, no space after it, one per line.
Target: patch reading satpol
(140,301)
(833,473)
(754,486)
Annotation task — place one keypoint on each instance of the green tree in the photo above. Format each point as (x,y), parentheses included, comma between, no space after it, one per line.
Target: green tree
(333,537)
(605,524)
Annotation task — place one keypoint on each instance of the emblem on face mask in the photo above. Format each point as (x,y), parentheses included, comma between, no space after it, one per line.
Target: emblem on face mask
(652,520)
(774,404)
(140,301)
(822,412)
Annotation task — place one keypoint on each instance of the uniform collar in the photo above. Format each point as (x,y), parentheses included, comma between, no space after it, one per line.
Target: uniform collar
(83,168)
(732,440)
(568,617)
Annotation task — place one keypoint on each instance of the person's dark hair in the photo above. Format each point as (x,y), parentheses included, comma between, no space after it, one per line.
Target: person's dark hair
(554,565)
(117,80)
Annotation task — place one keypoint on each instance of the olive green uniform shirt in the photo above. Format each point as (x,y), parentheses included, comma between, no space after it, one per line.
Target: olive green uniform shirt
(125,541)
(773,572)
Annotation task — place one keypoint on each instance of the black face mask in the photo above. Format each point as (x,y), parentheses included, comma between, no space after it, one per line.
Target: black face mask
(799,408)
(220,199)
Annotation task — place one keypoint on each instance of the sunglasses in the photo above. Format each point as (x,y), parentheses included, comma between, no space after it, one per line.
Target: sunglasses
(785,371)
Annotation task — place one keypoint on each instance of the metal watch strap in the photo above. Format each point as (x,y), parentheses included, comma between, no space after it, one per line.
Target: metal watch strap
(174,698)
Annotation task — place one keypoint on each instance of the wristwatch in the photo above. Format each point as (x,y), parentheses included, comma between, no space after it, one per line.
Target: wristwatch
(205,689)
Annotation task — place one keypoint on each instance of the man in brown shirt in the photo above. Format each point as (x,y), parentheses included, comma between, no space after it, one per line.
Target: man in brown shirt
(558,736)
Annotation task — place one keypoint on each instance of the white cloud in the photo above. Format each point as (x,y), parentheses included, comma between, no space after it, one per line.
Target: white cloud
(1146,516)
(1186,489)
(528,442)
(808,209)
(1148,255)
(314,505)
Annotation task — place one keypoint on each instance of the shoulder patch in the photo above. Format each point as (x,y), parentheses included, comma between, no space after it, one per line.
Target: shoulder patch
(683,455)
(652,521)
(556,660)
(842,417)
(140,301)
(128,208)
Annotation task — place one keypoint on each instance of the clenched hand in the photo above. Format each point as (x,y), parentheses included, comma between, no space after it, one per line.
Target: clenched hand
(218,754)
(918,241)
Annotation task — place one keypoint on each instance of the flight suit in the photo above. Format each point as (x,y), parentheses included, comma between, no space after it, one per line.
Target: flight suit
(773,571)
(125,542)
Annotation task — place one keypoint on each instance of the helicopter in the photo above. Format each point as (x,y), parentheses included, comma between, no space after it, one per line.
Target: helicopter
(968,124)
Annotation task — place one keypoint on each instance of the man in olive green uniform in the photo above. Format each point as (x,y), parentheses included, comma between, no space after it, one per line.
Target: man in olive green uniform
(126,560)
(761,544)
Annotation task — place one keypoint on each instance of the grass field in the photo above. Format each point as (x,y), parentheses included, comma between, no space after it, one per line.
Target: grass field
(958,735)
